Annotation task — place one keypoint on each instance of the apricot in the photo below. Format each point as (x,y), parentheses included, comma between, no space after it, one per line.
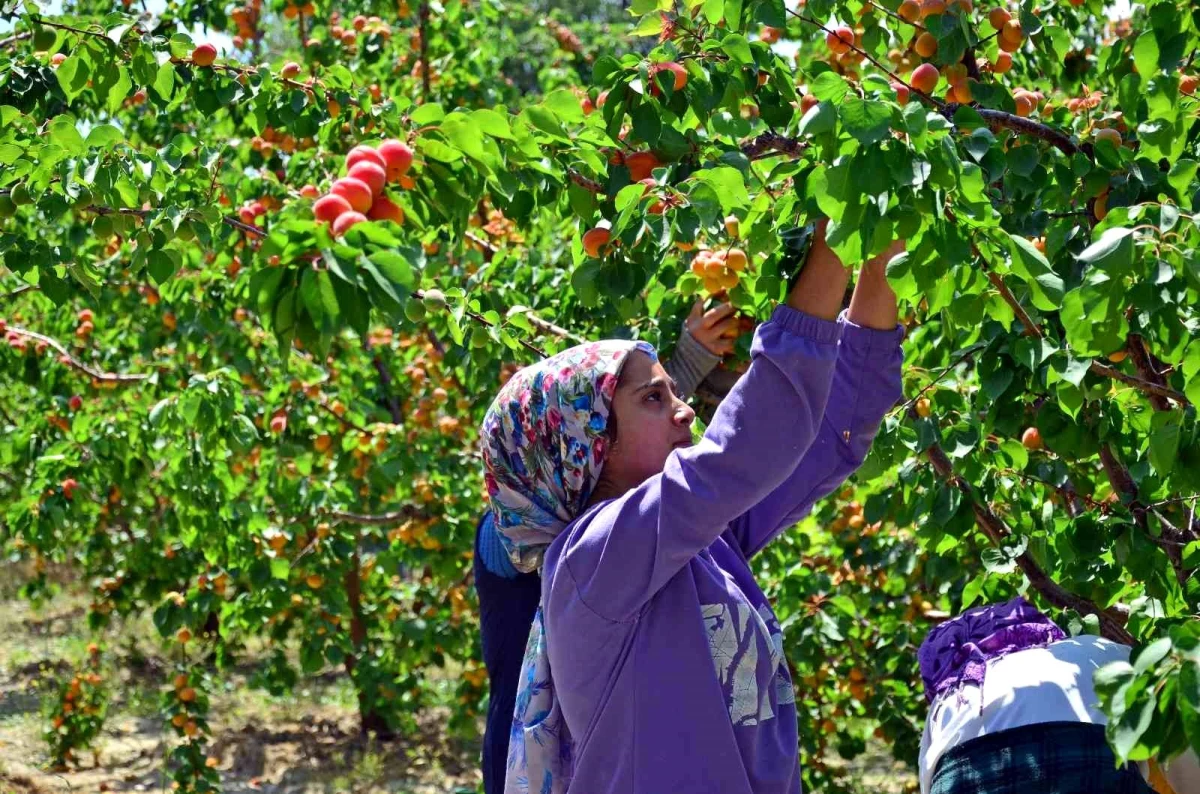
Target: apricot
(384,209)
(397,158)
(1032,438)
(839,39)
(998,18)
(346,220)
(204,55)
(680,73)
(595,240)
(909,11)
(356,192)
(925,78)
(926,45)
(641,165)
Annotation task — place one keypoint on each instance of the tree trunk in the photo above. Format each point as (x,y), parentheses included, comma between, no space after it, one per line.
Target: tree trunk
(370,721)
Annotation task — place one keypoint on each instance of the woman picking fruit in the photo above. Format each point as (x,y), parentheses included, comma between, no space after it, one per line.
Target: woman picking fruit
(655,662)
(508,599)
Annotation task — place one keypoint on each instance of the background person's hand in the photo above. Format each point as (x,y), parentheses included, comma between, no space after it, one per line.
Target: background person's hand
(716,329)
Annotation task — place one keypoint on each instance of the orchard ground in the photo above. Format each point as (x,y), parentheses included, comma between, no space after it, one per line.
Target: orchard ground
(304,742)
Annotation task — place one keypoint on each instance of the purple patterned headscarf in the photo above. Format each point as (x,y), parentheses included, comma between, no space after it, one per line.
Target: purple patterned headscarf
(956,653)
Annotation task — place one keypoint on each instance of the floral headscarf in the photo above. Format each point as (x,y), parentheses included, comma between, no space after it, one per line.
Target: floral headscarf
(543,445)
(956,653)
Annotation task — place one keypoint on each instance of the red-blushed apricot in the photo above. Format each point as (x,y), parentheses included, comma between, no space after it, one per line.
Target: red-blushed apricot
(680,73)
(355,191)
(384,209)
(641,165)
(204,55)
(925,78)
(397,157)
(360,153)
(839,39)
(372,174)
(345,221)
(327,208)
(595,240)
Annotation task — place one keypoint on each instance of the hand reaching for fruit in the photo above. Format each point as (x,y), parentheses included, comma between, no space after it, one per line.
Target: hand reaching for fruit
(716,330)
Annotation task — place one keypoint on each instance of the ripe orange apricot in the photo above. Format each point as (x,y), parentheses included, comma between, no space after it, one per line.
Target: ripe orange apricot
(923,407)
(1117,356)
(769,34)
(998,17)
(384,209)
(327,208)
(1108,134)
(345,221)
(932,7)
(641,164)
(808,102)
(356,192)
(902,93)
(1002,63)
(925,78)
(736,260)
(204,55)
(1025,103)
(594,241)
(1032,438)
(926,45)
(1012,32)
(961,92)
(839,39)
(680,73)
(909,11)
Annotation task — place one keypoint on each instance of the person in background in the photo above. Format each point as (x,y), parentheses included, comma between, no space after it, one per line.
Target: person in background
(655,662)
(1012,709)
(508,599)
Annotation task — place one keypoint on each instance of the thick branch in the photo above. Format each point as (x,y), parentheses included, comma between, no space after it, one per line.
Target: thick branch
(14,39)
(74,363)
(1152,389)
(1112,624)
(998,119)
(403,514)
(1145,368)
(590,185)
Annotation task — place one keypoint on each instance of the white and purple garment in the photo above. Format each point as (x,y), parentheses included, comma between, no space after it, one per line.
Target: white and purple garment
(957,652)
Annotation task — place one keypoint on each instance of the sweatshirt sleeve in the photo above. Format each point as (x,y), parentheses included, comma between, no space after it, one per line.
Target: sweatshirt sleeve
(621,552)
(866,384)
(689,364)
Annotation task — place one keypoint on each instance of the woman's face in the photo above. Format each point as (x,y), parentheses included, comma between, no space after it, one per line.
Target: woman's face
(651,421)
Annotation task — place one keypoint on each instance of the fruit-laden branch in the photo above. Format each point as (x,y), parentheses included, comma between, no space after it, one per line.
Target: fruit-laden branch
(479,318)
(1156,391)
(66,358)
(929,99)
(1112,623)
(998,119)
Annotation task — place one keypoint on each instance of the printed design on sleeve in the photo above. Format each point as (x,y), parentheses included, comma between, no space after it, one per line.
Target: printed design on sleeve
(738,636)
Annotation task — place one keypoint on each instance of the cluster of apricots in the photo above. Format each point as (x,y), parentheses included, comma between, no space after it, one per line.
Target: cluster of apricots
(360,195)
(564,36)
(183,720)
(271,141)
(247,18)
(359,25)
(720,269)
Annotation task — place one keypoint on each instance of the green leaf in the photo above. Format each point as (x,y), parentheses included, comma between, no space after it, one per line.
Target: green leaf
(1031,265)
(1112,253)
(1093,315)
(738,49)
(829,87)
(1151,655)
(1145,54)
(867,120)
(103,135)
(164,81)
(64,133)
(729,185)
(1165,433)
(565,105)
(72,75)
(426,114)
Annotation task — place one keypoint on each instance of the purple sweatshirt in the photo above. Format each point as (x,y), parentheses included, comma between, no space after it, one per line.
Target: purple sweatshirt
(667,658)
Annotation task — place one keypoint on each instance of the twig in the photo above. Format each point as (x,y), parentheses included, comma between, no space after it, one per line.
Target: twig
(423,27)
(932,100)
(42,21)
(585,183)
(771,143)
(998,119)
(20,290)
(1153,389)
(406,512)
(894,15)
(482,243)
(547,327)
(14,39)
(945,371)
(71,361)
(343,419)
(479,318)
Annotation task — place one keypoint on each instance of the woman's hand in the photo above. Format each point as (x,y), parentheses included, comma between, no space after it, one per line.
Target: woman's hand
(716,329)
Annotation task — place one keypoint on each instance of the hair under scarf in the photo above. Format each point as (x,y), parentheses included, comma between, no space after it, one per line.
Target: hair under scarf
(543,444)
(956,653)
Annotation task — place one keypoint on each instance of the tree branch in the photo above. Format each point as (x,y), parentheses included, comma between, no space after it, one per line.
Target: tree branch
(403,514)
(771,143)
(14,39)
(74,363)
(1136,346)
(19,290)
(1112,623)
(590,185)
(423,27)
(998,119)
